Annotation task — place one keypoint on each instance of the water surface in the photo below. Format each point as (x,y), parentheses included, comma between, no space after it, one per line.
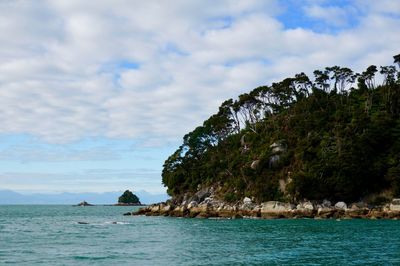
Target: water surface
(51,235)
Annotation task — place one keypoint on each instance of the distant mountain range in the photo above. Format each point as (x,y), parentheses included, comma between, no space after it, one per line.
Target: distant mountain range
(12,197)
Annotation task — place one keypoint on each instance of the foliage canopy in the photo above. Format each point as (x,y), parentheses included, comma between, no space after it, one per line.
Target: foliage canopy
(339,136)
(128,198)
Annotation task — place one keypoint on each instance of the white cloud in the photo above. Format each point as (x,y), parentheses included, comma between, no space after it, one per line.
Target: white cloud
(383,6)
(92,180)
(61,77)
(334,15)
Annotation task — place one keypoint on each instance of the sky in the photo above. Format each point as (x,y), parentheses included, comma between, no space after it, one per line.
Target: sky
(95,95)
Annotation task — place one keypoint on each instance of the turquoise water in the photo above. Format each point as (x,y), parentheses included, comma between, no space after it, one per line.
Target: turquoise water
(51,235)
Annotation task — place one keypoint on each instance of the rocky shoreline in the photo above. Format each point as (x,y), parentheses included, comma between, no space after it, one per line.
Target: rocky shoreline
(212,208)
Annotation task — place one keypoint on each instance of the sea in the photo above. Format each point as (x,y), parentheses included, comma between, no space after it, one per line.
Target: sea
(101,235)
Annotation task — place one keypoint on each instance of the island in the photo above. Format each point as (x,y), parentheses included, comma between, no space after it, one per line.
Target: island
(322,147)
(128,199)
(84,203)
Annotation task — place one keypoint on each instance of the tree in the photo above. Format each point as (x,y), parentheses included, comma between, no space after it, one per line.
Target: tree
(128,198)
(341,143)
(368,76)
(388,73)
(397,59)
(321,79)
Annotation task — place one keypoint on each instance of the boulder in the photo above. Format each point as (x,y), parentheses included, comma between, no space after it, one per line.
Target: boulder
(325,212)
(354,207)
(305,209)
(214,203)
(154,208)
(395,205)
(179,211)
(277,147)
(275,209)
(141,211)
(203,207)
(396,201)
(228,208)
(326,203)
(247,206)
(341,205)
(201,210)
(247,200)
(358,205)
(201,195)
(356,211)
(306,205)
(165,209)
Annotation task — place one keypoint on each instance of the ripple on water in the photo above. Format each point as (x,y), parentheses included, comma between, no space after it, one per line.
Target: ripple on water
(48,239)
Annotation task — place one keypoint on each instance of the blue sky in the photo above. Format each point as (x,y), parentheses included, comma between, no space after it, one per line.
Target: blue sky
(94,95)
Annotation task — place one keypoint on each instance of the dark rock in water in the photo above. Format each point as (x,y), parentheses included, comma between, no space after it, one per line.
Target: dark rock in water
(128,214)
(83,223)
(84,203)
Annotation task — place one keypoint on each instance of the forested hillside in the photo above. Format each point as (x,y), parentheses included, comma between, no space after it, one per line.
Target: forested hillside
(336,136)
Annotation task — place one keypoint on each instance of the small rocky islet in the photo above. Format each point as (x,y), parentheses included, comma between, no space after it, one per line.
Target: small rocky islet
(126,199)
(83,204)
(205,205)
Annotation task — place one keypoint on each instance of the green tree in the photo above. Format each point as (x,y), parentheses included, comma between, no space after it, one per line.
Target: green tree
(397,59)
(128,198)
(340,142)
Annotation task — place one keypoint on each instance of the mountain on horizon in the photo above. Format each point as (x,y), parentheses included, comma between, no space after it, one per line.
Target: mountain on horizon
(12,197)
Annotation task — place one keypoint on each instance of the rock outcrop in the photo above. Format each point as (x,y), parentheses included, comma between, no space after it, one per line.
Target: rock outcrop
(207,206)
(84,203)
(395,205)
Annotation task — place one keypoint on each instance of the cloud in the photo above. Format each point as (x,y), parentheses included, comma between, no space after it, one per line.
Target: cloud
(54,153)
(91,180)
(152,71)
(333,15)
(118,83)
(384,7)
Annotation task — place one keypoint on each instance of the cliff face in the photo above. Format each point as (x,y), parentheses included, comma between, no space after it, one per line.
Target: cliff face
(336,137)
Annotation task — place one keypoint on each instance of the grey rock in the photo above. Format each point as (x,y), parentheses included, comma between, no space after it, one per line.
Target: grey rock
(154,208)
(341,205)
(395,205)
(247,200)
(326,203)
(325,212)
(276,207)
(201,195)
(192,204)
(277,147)
(306,205)
(209,200)
(396,201)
